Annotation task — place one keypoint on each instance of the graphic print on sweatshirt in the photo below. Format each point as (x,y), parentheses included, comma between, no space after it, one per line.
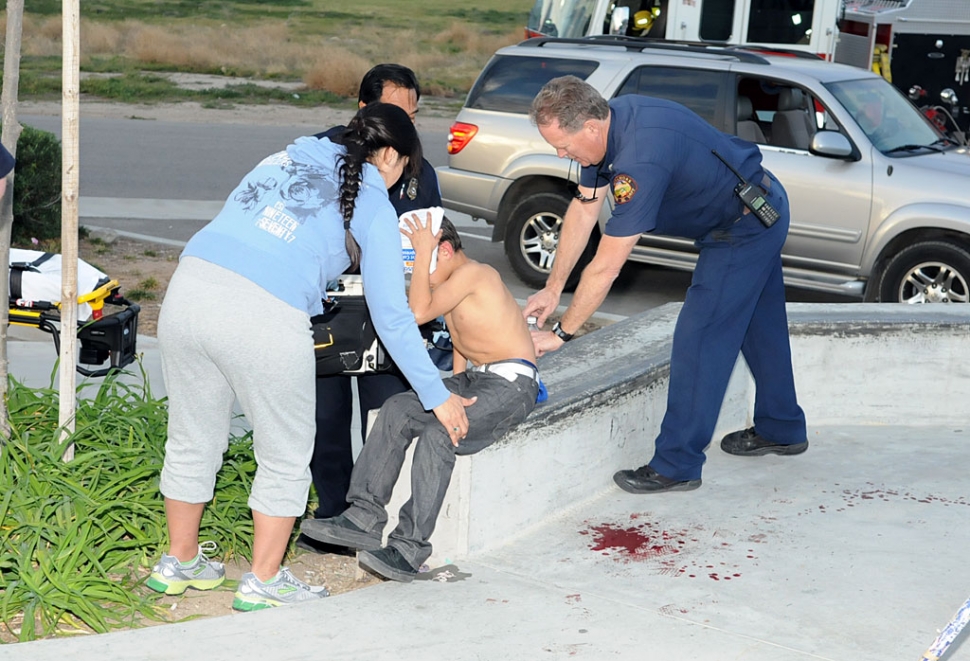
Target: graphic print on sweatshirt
(289,196)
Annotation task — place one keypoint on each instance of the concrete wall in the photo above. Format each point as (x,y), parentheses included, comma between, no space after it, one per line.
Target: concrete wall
(854,364)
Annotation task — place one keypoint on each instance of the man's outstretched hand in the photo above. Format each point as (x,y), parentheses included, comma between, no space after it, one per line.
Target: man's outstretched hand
(541,304)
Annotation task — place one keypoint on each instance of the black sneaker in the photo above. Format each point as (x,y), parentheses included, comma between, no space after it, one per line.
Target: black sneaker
(747,443)
(305,543)
(647,480)
(388,563)
(341,531)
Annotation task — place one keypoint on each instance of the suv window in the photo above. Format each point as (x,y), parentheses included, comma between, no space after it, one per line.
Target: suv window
(509,83)
(697,89)
(716,20)
(782,114)
(790,23)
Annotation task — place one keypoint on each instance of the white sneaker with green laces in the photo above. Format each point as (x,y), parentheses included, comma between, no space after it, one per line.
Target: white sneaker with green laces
(284,588)
(173,577)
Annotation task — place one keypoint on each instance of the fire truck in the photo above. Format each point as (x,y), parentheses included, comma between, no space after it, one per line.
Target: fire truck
(921,46)
(808,25)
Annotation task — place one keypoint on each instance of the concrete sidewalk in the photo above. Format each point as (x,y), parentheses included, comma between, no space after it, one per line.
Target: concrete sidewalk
(855,550)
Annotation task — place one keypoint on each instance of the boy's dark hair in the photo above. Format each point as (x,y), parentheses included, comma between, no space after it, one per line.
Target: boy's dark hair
(372,84)
(449,234)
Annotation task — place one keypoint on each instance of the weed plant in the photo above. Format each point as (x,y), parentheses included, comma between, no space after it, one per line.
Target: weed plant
(77,539)
(140,294)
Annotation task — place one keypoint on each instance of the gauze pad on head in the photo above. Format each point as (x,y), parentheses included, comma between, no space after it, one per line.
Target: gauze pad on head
(407,252)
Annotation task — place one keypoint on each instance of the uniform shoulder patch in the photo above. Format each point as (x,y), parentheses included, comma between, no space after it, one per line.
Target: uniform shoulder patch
(624,188)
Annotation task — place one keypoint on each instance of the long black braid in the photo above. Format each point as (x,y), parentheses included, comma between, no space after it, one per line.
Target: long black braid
(375,126)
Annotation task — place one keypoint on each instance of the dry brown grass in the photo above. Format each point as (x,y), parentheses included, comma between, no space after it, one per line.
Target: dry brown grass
(444,61)
(336,69)
(466,38)
(216,48)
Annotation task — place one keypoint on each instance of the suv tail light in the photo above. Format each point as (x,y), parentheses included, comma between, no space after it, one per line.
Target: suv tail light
(460,135)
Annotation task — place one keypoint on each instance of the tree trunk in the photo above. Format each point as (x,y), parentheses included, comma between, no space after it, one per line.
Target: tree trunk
(11,133)
(69,212)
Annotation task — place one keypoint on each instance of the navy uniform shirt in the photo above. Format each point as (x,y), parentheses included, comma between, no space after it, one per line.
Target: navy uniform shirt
(409,193)
(6,162)
(663,176)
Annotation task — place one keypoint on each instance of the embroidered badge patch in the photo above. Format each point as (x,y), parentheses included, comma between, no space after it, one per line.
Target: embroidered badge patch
(624,187)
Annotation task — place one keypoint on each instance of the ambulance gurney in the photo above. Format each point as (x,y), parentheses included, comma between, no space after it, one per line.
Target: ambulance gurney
(107,323)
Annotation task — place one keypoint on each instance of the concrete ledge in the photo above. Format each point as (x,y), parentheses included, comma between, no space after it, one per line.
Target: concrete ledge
(854,364)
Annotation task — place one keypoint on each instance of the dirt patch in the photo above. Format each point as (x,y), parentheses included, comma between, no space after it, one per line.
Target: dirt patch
(142,269)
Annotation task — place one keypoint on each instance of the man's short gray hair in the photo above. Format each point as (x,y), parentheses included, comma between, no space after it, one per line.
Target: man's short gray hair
(569,100)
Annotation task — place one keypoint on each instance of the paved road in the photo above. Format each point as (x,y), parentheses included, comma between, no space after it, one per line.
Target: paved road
(167,179)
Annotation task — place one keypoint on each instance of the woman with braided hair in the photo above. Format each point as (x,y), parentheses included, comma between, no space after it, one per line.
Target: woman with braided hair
(235,325)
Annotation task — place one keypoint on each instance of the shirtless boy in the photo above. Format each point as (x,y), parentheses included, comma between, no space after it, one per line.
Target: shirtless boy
(494,364)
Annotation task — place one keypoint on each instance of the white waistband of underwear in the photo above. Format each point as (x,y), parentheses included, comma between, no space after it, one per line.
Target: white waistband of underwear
(508,370)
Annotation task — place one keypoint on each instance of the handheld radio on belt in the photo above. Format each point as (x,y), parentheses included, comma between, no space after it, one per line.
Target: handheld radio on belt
(752,197)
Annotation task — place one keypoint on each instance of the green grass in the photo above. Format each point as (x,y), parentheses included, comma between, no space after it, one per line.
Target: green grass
(145,291)
(77,539)
(141,294)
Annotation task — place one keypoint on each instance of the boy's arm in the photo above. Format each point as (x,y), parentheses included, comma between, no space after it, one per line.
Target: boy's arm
(427,304)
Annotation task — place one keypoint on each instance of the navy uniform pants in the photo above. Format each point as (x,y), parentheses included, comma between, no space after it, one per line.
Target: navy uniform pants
(333,459)
(736,302)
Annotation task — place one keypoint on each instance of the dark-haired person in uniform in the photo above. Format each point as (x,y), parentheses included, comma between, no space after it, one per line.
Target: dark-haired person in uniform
(333,458)
(235,325)
(670,172)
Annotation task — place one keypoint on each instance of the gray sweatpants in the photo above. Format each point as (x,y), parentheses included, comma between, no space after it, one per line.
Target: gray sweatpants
(223,338)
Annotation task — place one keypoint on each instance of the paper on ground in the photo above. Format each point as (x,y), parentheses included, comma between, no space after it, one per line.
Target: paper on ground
(407,252)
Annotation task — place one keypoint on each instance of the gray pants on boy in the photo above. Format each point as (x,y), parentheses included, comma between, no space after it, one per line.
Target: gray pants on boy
(506,395)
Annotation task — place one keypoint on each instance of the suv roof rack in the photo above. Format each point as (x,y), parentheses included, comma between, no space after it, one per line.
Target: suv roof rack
(641,43)
(774,50)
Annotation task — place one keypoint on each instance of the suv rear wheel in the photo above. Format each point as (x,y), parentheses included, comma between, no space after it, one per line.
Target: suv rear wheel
(532,236)
(927,272)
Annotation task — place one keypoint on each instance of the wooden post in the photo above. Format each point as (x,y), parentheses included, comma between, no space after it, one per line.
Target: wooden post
(11,133)
(69,212)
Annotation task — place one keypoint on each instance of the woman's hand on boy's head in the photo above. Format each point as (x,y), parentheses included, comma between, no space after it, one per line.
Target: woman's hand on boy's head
(423,240)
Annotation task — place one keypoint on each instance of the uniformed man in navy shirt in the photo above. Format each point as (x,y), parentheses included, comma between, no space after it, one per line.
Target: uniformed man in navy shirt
(670,172)
(332,460)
